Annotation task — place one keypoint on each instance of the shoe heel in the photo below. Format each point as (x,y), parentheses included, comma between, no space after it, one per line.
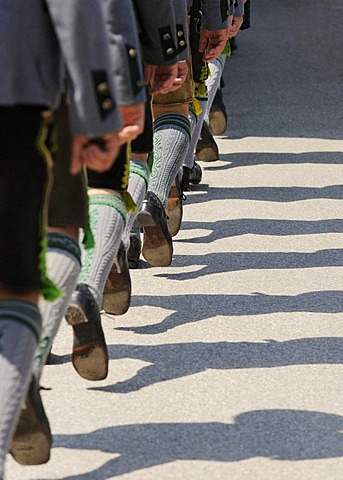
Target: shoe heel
(145,217)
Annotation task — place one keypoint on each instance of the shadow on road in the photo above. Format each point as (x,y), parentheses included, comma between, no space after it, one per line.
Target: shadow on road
(291,435)
(171,361)
(223,262)
(256,226)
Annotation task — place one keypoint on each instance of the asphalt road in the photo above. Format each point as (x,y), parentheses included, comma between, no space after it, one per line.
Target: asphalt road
(228,365)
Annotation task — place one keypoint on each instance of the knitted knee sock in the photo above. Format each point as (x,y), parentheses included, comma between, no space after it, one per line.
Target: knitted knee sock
(63,266)
(20,327)
(107,219)
(137,187)
(213,82)
(171,140)
(196,130)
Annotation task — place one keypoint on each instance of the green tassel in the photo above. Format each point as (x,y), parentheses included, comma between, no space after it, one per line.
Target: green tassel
(196,107)
(227,49)
(126,173)
(201,90)
(150,160)
(49,290)
(130,205)
(88,239)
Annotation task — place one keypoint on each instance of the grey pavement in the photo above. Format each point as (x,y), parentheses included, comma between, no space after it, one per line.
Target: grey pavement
(229,363)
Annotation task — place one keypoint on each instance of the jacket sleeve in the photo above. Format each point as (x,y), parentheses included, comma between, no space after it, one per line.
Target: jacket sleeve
(180,13)
(215,14)
(80,29)
(157,31)
(125,53)
(237,8)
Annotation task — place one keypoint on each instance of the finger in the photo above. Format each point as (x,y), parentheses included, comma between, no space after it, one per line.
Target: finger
(129,133)
(76,158)
(203,42)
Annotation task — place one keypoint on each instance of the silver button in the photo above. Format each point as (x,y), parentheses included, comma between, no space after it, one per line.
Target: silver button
(132,52)
(170,51)
(107,105)
(166,36)
(103,88)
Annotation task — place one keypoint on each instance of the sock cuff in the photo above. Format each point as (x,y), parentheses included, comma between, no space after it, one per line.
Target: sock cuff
(111,201)
(174,120)
(25,313)
(192,116)
(141,169)
(58,241)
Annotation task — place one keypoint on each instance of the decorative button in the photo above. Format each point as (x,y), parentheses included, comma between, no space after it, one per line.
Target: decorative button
(170,51)
(103,88)
(107,105)
(132,52)
(180,33)
(166,37)
(182,43)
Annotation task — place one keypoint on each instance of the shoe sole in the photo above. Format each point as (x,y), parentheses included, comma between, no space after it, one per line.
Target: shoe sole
(174,211)
(30,448)
(117,292)
(156,249)
(31,442)
(89,357)
(217,123)
(207,154)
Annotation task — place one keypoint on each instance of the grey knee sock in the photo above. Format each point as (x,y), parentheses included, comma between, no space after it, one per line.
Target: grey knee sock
(137,187)
(213,82)
(196,130)
(107,219)
(63,266)
(171,142)
(20,327)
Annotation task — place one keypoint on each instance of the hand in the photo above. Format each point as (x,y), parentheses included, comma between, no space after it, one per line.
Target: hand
(212,42)
(181,76)
(234,26)
(149,72)
(133,117)
(163,77)
(98,153)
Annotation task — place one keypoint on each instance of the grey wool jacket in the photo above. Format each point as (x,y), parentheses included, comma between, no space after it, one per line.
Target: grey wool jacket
(158,24)
(39,37)
(216,12)
(126,62)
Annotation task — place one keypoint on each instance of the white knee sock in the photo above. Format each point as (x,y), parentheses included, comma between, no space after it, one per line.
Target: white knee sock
(20,327)
(107,219)
(171,142)
(137,187)
(63,266)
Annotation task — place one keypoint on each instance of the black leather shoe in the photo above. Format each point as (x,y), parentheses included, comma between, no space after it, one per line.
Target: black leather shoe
(206,149)
(117,292)
(157,242)
(174,207)
(195,174)
(185,179)
(134,252)
(31,442)
(218,115)
(90,357)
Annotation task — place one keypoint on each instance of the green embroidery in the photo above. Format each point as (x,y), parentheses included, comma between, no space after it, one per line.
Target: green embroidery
(48,289)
